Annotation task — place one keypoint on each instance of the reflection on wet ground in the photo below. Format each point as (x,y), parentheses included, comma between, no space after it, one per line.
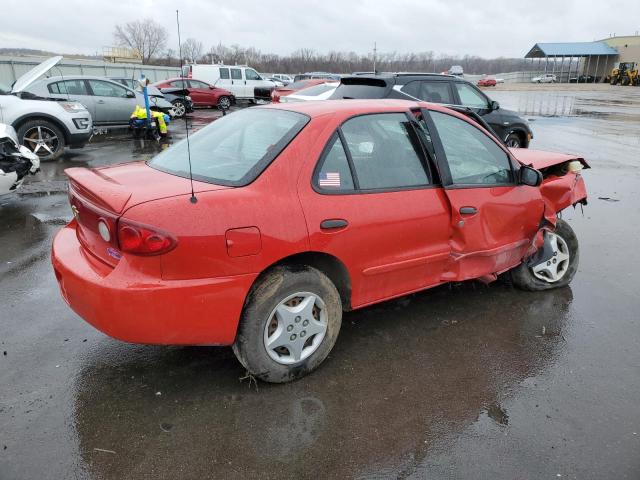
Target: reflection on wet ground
(463,381)
(615,103)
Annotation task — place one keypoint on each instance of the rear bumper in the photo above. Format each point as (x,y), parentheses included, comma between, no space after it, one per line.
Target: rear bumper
(128,305)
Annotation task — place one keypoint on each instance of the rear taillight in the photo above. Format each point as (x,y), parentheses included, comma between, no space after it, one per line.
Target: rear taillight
(143,240)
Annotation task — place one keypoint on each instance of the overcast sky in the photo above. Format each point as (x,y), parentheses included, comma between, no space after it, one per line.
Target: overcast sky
(486,28)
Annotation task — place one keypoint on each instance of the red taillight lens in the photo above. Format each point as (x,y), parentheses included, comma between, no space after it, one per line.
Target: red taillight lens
(143,239)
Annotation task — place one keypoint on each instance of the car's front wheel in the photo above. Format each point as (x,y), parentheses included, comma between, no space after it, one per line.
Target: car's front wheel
(179,108)
(224,103)
(554,270)
(513,140)
(43,138)
(289,324)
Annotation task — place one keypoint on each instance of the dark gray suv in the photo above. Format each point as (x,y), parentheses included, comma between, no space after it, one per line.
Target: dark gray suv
(446,89)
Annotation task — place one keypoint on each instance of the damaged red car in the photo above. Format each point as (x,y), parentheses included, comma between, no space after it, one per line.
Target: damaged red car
(303,211)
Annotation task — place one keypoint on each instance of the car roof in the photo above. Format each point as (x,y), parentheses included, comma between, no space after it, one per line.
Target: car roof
(316,109)
(182,78)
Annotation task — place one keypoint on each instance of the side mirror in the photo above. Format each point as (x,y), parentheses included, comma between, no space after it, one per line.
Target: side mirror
(530,176)
(494,105)
(131,94)
(211,87)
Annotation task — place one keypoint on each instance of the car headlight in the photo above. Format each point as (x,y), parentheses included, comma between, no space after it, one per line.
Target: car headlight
(73,107)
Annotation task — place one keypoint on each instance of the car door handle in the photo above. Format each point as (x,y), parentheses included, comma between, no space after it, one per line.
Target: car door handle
(468,210)
(333,223)
(100,101)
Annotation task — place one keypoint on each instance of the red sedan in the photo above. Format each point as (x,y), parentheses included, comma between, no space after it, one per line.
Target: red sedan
(302,211)
(202,93)
(295,86)
(487,82)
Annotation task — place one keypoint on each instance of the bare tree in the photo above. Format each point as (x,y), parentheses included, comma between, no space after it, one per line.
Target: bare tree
(192,50)
(146,37)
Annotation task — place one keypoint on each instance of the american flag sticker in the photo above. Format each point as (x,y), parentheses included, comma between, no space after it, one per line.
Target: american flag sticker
(329,179)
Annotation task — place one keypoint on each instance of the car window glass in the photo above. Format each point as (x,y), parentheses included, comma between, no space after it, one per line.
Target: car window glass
(197,84)
(412,88)
(385,151)
(70,87)
(224,73)
(251,74)
(436,92)
(469,96)
(473,158)
(334,173)
(234,149)
(179,84)
(236,74)
(106,89)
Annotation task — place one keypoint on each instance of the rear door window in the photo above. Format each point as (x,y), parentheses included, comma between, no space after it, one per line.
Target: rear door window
(236,74)
(179,84)
(334,173)
(224,73)
(430,91)
(70,87)
(385,152)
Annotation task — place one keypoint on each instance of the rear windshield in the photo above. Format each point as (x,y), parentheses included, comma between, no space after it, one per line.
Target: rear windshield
(359,91)
(235,149)
(317,89)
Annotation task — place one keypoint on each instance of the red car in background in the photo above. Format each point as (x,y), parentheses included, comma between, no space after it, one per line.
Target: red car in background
(295,86)
(202,93)
(302,211)
(487,82)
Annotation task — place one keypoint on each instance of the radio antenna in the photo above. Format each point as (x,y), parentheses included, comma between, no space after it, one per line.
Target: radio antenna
(193,198)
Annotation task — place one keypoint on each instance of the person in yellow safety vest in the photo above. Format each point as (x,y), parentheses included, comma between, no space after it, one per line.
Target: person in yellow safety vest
(141,114)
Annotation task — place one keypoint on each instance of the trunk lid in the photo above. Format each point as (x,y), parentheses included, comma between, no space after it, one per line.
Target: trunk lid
(34,74)
(104,194)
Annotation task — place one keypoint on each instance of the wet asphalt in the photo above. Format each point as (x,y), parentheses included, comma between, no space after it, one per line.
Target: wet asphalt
(462,381)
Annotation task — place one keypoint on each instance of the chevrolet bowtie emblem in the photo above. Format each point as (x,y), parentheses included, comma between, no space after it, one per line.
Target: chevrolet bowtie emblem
(76,212)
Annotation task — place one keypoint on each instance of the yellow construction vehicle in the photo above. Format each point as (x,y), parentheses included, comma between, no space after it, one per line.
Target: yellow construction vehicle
(626,73)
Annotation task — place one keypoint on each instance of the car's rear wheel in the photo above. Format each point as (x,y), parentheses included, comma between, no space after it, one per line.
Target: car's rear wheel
(42,137)
(513,140)
(224,103)
(179,108)
(556,271)
(289,324)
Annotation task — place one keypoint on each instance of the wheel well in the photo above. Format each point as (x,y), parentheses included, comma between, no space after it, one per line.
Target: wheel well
(521,134)
(18,123)
(327,264)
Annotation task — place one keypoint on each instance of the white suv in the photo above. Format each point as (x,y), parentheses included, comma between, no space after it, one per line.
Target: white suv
(546,78)
(46,127)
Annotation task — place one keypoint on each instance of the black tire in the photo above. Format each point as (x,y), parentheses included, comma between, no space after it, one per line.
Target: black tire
(224,103)
(522,276)
(179,108)
(625,81)
(264,297)
(29,132)
(514,140)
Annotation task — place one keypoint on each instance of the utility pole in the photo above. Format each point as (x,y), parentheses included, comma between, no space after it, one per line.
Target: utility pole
(375,51)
